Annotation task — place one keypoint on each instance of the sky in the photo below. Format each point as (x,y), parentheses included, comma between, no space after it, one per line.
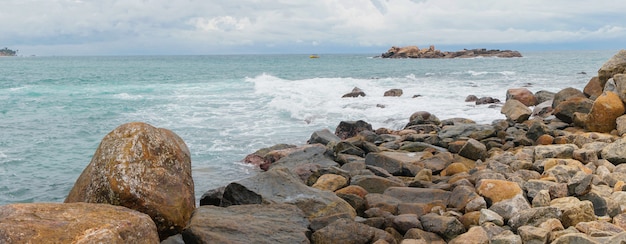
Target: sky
(204,27)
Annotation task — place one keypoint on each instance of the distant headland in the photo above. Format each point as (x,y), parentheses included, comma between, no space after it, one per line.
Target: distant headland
(7,52)
(431,52)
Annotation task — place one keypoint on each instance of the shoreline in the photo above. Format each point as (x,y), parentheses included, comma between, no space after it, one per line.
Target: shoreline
(554,175)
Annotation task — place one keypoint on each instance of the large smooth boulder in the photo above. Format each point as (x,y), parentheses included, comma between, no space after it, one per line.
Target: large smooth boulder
(605,110)
(144,168)
(516,111)
(74,223)
(615,65)
(279,185)
(566,94)
(523,95)
(272,223)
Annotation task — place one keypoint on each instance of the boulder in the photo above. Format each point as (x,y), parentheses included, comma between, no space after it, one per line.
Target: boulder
(594,88)
(523,95)
(356,92)
(498,190)
(474,150)
(263,188)
(533,217)
(475,235)
(573,210)
(418,195)
(445,226)
(349,231)
(620,125)
(347,129)
(615,65)
(74,223)
(578,238)
(508,208)
(272,223)
(323,136)
(620,86)
(554,151)
(566,94)
(544,96)
(565,110)
(516,111)
(486,100)
(393,93)
(330,182)
(487,215)
(144,168)
(394,162)
(374,183)
(532,234)
(605,110)
(614,152)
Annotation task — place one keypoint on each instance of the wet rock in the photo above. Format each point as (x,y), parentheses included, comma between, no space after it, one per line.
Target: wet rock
(471,98)
(323,136)
(523,95)
(314,155)
(356,92)
(447,227)
(393,93)
(143,168)
(516,111)
(74,223)
(423,117)
(486,100)
(348,231)
(273,223)
(347,129)
(212,197)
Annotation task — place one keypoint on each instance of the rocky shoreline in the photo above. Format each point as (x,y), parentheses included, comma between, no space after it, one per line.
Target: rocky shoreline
(431,52)
(555,175)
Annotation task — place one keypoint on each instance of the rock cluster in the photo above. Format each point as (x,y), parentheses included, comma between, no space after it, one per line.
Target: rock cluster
(557,176)
(431,52)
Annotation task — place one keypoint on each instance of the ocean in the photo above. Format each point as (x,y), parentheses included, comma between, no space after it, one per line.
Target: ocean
(55,110)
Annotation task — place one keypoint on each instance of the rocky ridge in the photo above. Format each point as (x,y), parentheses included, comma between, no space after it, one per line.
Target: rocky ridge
(555,176)
(431,52)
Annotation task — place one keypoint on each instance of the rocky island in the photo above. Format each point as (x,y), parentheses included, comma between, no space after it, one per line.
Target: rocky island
(431,52)
(7,52)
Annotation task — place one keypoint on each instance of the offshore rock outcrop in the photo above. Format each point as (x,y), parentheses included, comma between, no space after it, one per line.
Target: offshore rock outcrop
(431,52)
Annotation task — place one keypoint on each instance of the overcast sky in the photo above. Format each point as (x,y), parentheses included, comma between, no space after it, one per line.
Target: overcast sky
(118,27)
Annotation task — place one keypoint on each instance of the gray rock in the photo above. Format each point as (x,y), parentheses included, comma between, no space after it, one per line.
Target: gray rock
(614,152)
(566,94)
(447,227)
(393,93)
(405,222)
(508,208)
(555,151)
(348,231)
(474,150)
(394,162)
(475,131)
(533,217)
(347,129)
(418,195)
(374,183)
(323,136)
(573,210)
(506,237)
(615,65)
(273,223)
(576,238)
(279,185)
(533,235)
(487,215)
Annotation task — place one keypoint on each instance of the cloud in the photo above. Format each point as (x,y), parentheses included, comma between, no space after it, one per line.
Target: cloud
(278,25)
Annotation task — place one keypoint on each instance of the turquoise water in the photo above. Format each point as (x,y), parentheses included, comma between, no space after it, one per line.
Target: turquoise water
(55,110)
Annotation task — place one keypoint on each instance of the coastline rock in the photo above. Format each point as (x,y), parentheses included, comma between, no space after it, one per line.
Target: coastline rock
(347,129)
(566,94)
(543,96)
(74,223)
(605,110)
(615,65)
(516,111)
(348,231)
(143,168)
(273,223)
(594,88)
(565,110)
(393,93)
(356,92)
(523,95)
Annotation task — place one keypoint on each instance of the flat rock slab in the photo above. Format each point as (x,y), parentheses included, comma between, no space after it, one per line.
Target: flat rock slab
(273,223)
(74,223)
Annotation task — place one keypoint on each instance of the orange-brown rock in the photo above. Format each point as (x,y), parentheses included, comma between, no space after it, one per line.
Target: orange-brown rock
(454,168)
(523,95)
(498,190)
(330,182)
(353,189)
(545,139)
(594,88)
(74,223)
(143,168)
(605,110)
